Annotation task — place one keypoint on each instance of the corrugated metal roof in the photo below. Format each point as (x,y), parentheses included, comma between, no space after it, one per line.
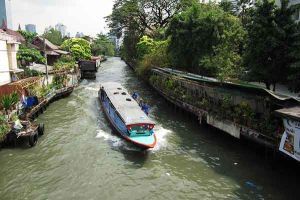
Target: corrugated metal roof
(127,107)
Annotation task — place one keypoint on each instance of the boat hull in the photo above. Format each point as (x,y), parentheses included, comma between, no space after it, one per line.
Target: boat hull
(123,133)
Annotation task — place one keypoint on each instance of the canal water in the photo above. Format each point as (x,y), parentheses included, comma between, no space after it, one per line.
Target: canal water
(80,157)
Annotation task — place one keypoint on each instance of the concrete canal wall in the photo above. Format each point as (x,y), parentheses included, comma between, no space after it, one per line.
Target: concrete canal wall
(240,110)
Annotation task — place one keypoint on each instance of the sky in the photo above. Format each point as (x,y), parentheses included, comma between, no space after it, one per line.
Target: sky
(85,16)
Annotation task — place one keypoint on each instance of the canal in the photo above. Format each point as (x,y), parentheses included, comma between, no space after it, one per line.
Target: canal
(79,157)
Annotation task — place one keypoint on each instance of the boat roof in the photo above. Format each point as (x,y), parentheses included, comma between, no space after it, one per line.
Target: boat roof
(126,106)
(292,112)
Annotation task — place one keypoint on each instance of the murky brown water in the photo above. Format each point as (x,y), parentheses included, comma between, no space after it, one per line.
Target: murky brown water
(80,158)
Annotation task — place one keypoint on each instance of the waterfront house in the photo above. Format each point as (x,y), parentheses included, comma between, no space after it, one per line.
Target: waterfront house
(9,45)
(45,46)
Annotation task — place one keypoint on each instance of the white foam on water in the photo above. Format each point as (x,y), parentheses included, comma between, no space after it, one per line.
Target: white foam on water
(161,137)
(72,103)
(113,140)
(84,82)
(91,88)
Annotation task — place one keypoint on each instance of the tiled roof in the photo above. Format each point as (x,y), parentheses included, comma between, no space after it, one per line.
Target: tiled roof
(15,34)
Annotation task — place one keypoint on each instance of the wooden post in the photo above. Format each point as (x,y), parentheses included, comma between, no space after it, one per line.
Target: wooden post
(46,64)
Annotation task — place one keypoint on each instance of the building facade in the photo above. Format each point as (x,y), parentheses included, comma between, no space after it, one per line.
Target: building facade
(8,58)
(5,13)
(30,28)
(62,29)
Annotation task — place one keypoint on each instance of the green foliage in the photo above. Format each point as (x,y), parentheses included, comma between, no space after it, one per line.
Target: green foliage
(4,127)
(206,40)
(28,55)
(54,36)
(273,44)
(101,45)
(65,62)
(31,72)
(157,56)
(144,46)
(79,48)
(28,36)
(41,91)
(227,6)
(58,81)
(135,18)
(7,101)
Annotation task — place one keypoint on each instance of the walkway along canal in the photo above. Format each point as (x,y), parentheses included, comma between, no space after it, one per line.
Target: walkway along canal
(81,158)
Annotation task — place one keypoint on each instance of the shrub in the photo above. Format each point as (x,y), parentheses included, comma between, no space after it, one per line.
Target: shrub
(4,127)
(65,62)
(7,101)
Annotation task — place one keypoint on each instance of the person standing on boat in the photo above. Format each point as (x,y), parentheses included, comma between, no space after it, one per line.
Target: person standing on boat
(135,95)
(102,92)
(146,108)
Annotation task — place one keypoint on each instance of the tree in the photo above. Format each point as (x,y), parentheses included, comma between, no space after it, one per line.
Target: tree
(147,15)
(53,36)
(204,39)
(79,48)
(28,36)
(28,55)
(144,46)
(152,54)
(227,6)
(273,43)
(135,18)
(101,45)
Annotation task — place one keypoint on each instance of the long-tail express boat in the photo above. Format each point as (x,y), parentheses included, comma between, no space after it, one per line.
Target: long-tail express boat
(126,116)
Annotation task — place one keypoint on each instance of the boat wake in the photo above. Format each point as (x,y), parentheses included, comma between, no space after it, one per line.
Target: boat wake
(161,136)
(91,88)
(115,141)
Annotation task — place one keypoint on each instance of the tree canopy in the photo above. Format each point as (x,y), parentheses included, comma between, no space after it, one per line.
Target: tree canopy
(28,55)
(206,40)
(53,36)
(101,45)
(226,41)
(273,44)
(79,48)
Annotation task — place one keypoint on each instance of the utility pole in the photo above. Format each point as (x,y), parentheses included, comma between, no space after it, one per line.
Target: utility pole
(46,64)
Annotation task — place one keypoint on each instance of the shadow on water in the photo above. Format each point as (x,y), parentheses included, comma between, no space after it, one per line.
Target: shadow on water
(258,172)
(137,157)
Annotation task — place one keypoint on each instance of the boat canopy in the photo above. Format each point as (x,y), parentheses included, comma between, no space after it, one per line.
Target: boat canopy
(125,105)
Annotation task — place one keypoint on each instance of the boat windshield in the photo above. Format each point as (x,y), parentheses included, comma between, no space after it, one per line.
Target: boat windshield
(140,130)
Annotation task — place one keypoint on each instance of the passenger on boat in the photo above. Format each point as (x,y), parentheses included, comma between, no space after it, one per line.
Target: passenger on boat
(102,92)
(141,102)
(135,95)
(146,108)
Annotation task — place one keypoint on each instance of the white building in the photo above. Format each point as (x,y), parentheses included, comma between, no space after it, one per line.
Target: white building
(8,57)
(62,29)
